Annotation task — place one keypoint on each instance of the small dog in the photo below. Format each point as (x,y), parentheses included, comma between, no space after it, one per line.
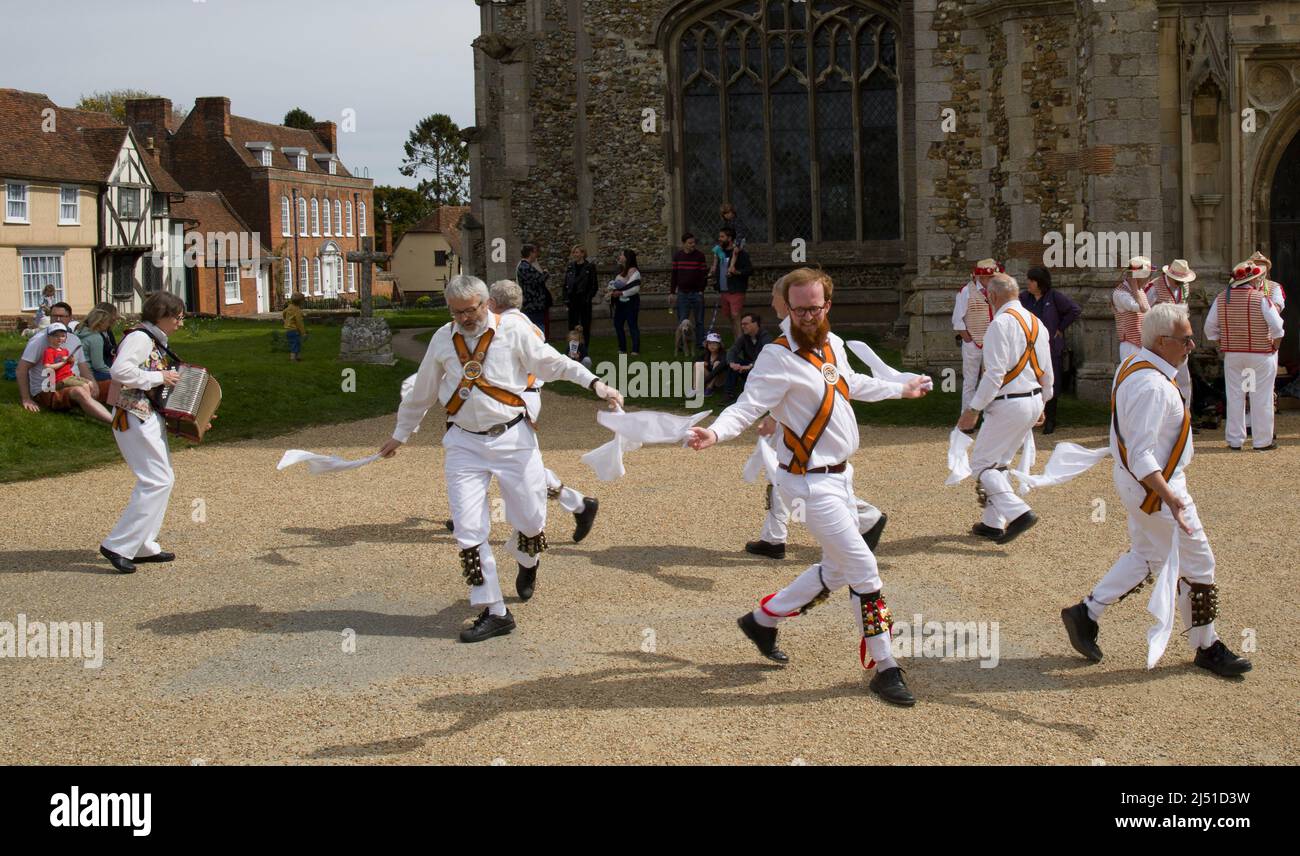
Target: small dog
(684,340)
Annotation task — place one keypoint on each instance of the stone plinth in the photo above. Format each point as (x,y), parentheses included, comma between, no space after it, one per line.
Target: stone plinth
(366,340)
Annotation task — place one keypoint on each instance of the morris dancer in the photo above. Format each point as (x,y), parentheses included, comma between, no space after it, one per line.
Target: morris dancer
(1129,303)
(971,316)
(1246,327)
(805,380)
(1151,444)
(1172,287)
(144,365)
(1272,290)
(1017,379)
(477,368)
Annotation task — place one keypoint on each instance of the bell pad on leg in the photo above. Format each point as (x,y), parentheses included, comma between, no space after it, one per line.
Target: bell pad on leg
(471,565)
(532,546)
(876,617)
(981,495)
(1205,602)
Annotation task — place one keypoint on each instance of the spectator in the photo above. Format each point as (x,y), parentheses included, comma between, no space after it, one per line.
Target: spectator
(716,377)
(625,297)
(689,278)
(744,352)
(731,220)
(532,277)
(733,269)
(31,372)
(1057,312)
(580,289)
(295,326)
(57,361)
(42,319)
(96,334)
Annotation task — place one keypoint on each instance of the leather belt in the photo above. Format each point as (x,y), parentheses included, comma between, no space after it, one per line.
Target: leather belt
(1038,391)
(837,468)
(495,430)
(532,389)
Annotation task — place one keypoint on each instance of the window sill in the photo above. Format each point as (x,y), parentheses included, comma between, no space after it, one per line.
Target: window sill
(230,302)
(69,222)
(9,222)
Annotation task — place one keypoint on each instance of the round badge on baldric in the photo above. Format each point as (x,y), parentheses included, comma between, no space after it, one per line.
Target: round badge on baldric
(831,374)
(473,370)
(463,392)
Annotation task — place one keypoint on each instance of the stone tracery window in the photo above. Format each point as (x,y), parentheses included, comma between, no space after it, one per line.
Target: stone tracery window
(789,110)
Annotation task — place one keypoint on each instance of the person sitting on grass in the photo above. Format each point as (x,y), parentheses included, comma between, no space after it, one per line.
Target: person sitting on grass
(58,361)
(96,334)
(715,364)
(35,393)
(295,325)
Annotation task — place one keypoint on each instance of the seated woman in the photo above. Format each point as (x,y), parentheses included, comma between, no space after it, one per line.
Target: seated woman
(715,364)
(96,334)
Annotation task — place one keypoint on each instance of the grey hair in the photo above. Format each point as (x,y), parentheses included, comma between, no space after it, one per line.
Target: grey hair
(462,286)
(1004,286)
(506,294)
(1161,320)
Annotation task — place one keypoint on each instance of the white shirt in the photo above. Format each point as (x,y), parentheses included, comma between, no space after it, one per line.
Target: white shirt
(128,366)
(631,285)
(1003,345)
(1277,295)
(960,305)
(515,353)
(792,389)
(34,353)
(1124,301)
(1271,318)
(1150,414)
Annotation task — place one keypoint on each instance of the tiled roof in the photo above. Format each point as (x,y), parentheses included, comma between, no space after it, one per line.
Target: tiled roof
(209,211)
(444,221)
(31,148)
(244,130)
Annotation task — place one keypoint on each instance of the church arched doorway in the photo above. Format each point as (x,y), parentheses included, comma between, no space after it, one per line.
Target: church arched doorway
(1284,244)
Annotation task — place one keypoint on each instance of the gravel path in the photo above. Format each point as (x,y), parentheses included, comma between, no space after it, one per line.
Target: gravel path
(629,652)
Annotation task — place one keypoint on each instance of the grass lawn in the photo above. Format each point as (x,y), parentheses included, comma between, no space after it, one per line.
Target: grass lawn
(403,319)
(263,395)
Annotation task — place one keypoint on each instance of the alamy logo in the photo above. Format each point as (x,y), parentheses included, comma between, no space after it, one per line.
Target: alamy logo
(952,640)
(77,640)
(1098,250)
(133,811)
(655,379)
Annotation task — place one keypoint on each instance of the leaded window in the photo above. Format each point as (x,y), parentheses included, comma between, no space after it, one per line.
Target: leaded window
(790,111)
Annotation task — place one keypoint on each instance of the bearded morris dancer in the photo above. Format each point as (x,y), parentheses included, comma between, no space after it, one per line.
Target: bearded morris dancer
(804,379)
(477,368)
(1151,445)
(1172,286)
(1129,303)
(1246,327)
(1017,381)
(971,316)
(776,521)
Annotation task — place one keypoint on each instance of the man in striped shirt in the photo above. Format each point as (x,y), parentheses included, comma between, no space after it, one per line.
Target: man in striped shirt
(689,277)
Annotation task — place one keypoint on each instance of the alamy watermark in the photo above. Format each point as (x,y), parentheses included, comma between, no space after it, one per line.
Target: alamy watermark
(654,379)
(1102,250)
(76,640)
(953,640)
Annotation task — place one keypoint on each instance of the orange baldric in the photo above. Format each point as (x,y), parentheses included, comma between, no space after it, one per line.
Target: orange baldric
(472,368)
(1151,502)
(1030,356)
(801,447)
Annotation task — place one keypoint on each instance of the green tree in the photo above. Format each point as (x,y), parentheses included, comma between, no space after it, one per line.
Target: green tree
(299,118)
(113,102)
(436,149)
(401,206)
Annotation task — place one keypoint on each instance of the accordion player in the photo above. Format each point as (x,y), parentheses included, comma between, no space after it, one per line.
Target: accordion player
(187,408)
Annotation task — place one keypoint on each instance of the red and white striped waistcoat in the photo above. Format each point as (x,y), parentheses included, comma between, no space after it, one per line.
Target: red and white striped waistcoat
(1166,290)
(1242,328)
(1273,290)
(979,314)
(1128,325)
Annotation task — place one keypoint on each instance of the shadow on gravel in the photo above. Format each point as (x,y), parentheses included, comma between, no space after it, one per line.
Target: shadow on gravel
(444,624)
(41,561)
(410,531)
(956,545)
(654,561)
(653,683)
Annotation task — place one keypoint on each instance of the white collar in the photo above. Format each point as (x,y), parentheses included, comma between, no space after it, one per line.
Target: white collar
(153,328)
(1157,361)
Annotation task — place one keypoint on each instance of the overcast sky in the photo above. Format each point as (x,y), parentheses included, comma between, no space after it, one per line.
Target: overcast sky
(392,61)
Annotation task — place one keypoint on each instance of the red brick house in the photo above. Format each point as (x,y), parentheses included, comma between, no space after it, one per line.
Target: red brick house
(288,185)
(227,277)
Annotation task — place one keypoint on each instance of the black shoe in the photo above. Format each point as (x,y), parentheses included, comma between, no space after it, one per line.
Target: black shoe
(764,638)
(1018,527)
(888,684)
(451,526)
(585,518)
(1235,448)
(1049,427)
(872,535)
(121,563)
(766,548)
(162,556)
(1082,631)
(526,581)
(987,531)
(1218,658)
(488,625)
(1270,447)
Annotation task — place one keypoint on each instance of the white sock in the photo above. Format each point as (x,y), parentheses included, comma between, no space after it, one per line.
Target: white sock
(498,609)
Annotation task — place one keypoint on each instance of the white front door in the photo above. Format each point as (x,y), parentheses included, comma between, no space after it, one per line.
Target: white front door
(262,304)
(327,274)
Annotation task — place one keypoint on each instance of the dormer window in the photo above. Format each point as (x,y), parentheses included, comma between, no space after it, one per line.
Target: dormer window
(264,156)
(302,162)
(297,156)
(327,162)
(262,151)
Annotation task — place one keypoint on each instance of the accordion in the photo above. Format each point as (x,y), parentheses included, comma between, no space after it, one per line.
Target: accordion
(188,407)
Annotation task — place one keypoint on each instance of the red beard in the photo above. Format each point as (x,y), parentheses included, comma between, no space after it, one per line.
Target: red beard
(804,342)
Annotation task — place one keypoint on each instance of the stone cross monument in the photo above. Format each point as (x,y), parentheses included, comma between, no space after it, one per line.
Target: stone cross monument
(366,339)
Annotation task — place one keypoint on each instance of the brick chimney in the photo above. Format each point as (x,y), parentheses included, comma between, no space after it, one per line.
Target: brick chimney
(388,236)
(149,117)
(329,135)
(214,114)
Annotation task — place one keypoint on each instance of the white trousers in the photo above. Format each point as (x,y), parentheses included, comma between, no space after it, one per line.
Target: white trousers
(570,499)
(972,363)
(832,519)
(1002,434)
(470,463)
(1150,536)
(1257,372)
(144,446)
(776,523)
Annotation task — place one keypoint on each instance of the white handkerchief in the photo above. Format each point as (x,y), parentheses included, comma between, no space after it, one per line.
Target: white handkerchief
(880,369)
(319,464)
(959,443)
(763,459)
(1068,462)
(1161,606)
(632,430)
(1028,452)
